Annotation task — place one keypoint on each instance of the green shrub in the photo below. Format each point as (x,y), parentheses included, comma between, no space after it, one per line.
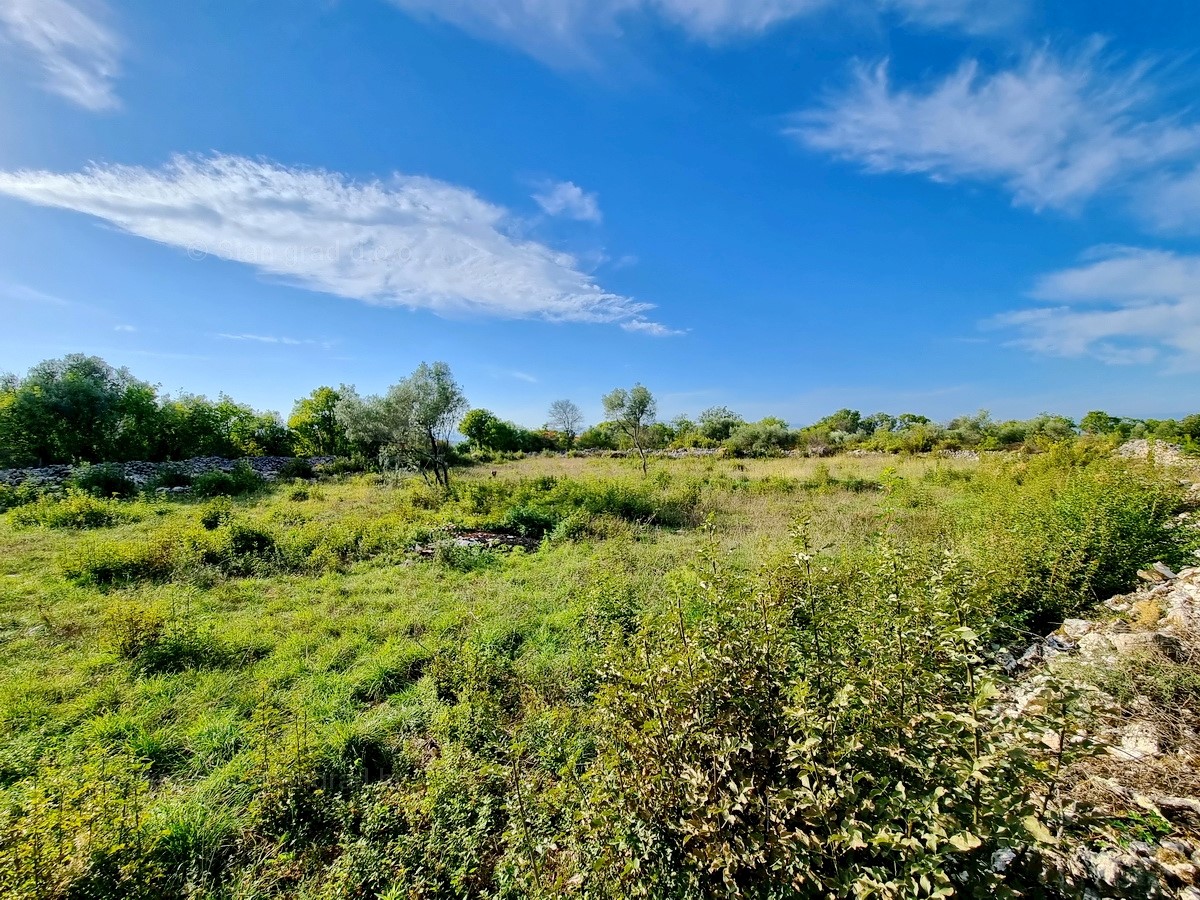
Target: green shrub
(1060,537)
(171,476)
(106,481)
(12,497)
(75,510)
(242,480)
(834,738)
(297,467)
(216,513)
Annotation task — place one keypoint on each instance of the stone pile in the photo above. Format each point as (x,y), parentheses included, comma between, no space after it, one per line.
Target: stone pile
(142,473)
(1142,757)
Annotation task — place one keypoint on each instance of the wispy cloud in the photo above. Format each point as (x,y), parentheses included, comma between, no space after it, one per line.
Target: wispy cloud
(972,16)
(270,339)
(406,241)
(569,200)
(1052,131)
(515,374)
(25,294)
(564,32)
(78,54)
(1123,305)
(125,329)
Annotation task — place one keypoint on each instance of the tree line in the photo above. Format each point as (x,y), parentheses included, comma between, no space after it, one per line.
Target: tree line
(80,409)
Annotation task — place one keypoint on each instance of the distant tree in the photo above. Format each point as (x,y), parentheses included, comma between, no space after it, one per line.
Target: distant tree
(315,423)
(598,437)
(411,425)
(482,428)
(632,412)
(717,423)
(879,421)
(567,419)
(848,421)
(1099,422)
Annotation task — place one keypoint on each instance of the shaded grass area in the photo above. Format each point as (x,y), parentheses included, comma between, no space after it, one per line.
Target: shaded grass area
(273,696)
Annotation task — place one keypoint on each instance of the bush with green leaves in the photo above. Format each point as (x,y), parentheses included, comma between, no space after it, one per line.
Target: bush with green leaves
(297,467)
(240,481)
(819,736)
(105,481)
(12,497)
(171,476)
(74,510)
(1060,533)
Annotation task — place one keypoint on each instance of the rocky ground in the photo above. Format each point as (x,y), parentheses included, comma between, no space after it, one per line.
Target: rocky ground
(142,473)
(1136,664)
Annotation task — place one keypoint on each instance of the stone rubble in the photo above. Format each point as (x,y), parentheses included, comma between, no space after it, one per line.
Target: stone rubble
(142,473)
(1163,616)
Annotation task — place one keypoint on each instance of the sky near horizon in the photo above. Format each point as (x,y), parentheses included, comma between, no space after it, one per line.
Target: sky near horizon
(781,206)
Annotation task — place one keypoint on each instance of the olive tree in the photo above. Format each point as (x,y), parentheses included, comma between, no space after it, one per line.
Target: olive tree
(632,411)
(567,419)
(409,426)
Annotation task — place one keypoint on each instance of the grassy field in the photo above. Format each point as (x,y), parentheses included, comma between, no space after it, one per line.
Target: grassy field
(324,690)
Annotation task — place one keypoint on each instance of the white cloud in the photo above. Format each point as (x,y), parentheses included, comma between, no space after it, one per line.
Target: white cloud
(1052,131)
(972,16)
(564,32)
(1124,305)
(1171,202)
(126,329)
(408,241)
(79,55)
(567,199)
(560,31)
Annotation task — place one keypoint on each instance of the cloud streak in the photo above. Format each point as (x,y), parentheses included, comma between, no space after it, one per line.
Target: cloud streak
(1123,306)
(564,32)
(1052,131)
(79,56)
(406,241)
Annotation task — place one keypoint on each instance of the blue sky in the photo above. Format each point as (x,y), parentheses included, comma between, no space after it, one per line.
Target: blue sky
(783,206)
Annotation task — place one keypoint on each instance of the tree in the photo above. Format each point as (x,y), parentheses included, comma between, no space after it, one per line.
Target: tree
(74,409)
(314,420)
(1099,422)
(411,424)
(717,423)
(567,419)
(632,412)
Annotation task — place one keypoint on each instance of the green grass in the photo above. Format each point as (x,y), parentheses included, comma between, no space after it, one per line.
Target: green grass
(296,703)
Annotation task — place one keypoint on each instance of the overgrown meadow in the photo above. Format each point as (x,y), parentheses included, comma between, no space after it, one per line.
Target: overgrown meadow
(767,678)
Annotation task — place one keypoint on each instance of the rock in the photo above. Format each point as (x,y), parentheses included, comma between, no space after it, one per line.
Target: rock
(1074,629)
(1104,867)
(1165,571)
(1151,576)
(1097,646)
(1138,741)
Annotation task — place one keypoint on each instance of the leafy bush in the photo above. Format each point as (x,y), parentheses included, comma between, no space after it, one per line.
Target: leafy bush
(1059,536)
(75,510)
(242,480)
(833,738)
(105,481)
(12,497)
(216,513)
(171,477)
(297,467)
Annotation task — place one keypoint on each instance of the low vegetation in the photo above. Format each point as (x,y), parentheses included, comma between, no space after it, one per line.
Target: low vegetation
(557,677)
